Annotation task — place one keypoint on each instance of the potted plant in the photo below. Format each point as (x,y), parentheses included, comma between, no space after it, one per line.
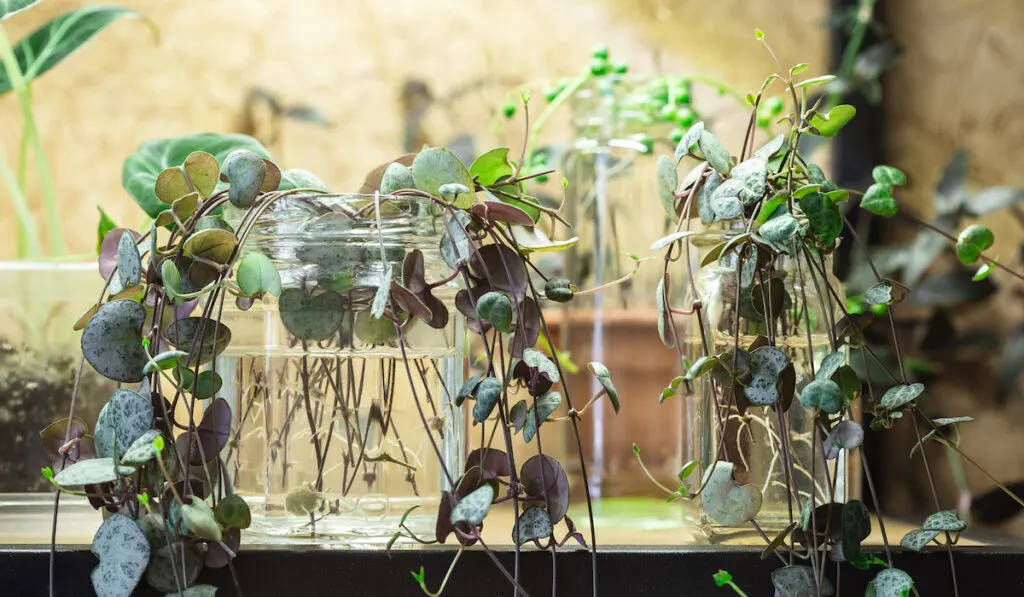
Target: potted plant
(42,287)
(769,352)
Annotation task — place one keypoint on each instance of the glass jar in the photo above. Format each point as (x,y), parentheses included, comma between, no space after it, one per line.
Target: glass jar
(339,426)
(612,201)
(751,439)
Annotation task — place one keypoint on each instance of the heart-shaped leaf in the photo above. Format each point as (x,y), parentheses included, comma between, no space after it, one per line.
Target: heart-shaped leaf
(496,309)
(142,450)
(129,415)
(543,406)
(203,172)
(705,207)
(856,526)
(317,317)
(724,501)
(94,471)
(491,166)
(544,476)
(798,581)
(257,274)
(846,435)
(211,435)
(829,124)
(473,508)
(172,184)
(498,211)
(605,379)
(823,394)
(897,396)
(530,239)
(164,361)
(129,262)
(946,520)
(182,208)
(396,177)
(766,363)
(166,563)
(886,292)
(888,175)
(917,540)
(200,520)
(829,365)
(205,385)
(772,147)
(891,582)
(487,394)
(780,229)
(878,200)
(142,168)
(112,341)
(233,512)
(689,141)
(726,201)
(714,152)
(533,523)
(668,182)
(972,242)
(823,217)
(436,166)
(49,45)
(752,174)
(245,171)
(212,244)
(201,337)
(123,552)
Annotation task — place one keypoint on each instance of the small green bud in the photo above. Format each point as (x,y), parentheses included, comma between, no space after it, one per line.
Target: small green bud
(682,95)
(158,445)
(686,117)
(648,144)
(763,121)
(600,52)
(620,68)
(598,67)
(509,110)
(774,105)
(676,135)
(47,473)
(668,113)
(551,94)
(143,498)
(879,309)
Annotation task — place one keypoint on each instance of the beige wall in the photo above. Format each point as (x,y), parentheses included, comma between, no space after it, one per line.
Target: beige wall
(349,58)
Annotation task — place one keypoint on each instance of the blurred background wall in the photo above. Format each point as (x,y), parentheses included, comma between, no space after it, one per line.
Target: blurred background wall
(366,66)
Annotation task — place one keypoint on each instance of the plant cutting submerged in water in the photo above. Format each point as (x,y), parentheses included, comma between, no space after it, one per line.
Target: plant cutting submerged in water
(164,474)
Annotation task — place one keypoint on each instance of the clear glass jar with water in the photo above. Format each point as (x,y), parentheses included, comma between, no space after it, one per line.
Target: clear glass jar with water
(340,428)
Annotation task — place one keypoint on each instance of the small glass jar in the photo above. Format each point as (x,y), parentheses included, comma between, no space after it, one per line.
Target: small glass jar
(339,426)
(751,438)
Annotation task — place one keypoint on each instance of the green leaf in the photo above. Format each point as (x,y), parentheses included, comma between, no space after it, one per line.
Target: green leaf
(491,166)
(668,182)
(214,244)
(496,308)
(300,179)
(722,578)
(943,421)
(826,223)
(533,240)
(700,367)
(396,177)
(473,508)
(141,169)
(257,274)
(799,68)
(106,224)
(823,394)
(814,81)
(233,512)
(533,523)
(245,171)
(798,581)
(665,241)
(891,582)
(142,450)
(200,520)
(605,379)
(667,336)
(129,262)
(972,242)
(714,152)
(689,141)
(436,166)
(766,364)
(886,292)
(772,147)
(856,526)
(770,206)
(897,396)
(829,125)
(878,200)
(171,279)
(487,394)
(724,501)
(780,229)
(984,271)
(917,540)
(123,552)
(127,416)
(705,195)
(889,175)
(93,471)
(543,406)
(9,8)
(946,520)
(112,341)
(49,45)
(164,361)
(829,365)
(752,173)
(726,201)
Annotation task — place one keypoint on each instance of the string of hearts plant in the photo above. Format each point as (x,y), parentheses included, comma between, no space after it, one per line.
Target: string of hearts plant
(783,222)
(153,461)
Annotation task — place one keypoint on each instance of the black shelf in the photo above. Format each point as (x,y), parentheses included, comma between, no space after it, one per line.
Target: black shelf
(623,571)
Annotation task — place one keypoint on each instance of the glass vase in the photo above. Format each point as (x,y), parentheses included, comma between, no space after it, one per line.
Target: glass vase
(750,439)
(612,201)
(339,427)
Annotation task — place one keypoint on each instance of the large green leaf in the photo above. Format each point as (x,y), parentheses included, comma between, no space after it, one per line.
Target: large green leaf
(123,552)
(140,170)
(12,7)
(45,47)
